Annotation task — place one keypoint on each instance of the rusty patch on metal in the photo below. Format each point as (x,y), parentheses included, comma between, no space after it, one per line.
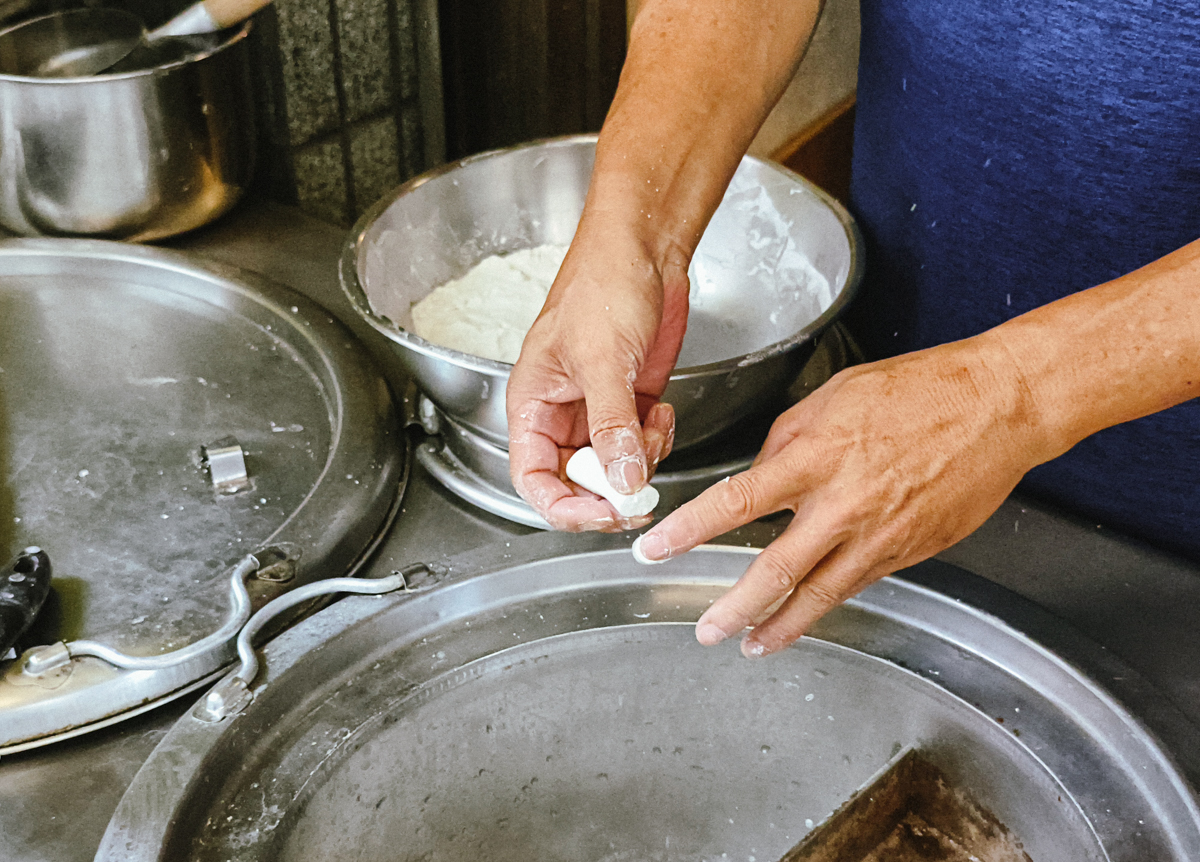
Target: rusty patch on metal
(910,813)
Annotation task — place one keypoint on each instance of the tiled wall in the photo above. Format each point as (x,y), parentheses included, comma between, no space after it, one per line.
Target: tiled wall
(351,101)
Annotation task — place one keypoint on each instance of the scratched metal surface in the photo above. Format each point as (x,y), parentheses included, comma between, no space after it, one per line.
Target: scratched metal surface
(119,364)
(114,377)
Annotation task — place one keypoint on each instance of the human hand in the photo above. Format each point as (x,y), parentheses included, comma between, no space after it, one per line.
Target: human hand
(884,466)
(591,371)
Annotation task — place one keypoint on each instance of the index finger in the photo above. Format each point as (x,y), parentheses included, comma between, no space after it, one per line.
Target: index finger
(780,573)
(730,503)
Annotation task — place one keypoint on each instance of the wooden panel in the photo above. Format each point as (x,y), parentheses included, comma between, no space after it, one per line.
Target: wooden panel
(822,152)
(515,70)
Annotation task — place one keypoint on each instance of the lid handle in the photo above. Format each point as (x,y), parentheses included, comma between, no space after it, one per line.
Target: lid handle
(232,695)
(40,659)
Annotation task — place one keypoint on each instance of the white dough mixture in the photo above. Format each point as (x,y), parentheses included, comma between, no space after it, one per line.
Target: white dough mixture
(488,311)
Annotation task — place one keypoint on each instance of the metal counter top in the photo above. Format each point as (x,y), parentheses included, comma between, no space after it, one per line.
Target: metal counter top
(1141,605)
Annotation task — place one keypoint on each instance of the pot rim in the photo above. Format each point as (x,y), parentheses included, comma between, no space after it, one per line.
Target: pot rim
(235,34)
(1065,670)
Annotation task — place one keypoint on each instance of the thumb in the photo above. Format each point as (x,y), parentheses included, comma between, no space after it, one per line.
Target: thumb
(615,431)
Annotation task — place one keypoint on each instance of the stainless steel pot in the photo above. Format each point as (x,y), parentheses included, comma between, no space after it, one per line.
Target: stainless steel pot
(755,312)
(134,156)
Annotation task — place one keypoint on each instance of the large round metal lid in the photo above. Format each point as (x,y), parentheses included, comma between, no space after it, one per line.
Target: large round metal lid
(185,441)
(546,699)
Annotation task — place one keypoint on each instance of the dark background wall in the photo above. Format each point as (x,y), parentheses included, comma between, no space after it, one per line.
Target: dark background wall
(516,70)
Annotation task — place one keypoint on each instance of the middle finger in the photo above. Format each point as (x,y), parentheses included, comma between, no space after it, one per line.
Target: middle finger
(774,574)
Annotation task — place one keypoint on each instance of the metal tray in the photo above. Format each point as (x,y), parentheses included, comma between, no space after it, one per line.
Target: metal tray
(121,369)
(546,699)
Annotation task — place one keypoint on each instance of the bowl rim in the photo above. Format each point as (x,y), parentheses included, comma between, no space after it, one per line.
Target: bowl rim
(353,288)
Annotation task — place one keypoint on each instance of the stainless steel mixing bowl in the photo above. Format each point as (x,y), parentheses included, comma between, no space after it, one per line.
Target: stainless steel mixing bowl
(135,156)
(756,304)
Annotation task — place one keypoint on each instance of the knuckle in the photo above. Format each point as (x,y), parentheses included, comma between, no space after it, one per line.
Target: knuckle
(742,496)
(624,525)
(612,429)
(782,431)
(823,595)
(782,571)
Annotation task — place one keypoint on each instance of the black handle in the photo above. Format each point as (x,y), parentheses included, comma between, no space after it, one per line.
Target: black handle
(24,585)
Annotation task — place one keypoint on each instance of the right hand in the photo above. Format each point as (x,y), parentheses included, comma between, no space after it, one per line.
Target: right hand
(699,78)
(885,465)
(591,371)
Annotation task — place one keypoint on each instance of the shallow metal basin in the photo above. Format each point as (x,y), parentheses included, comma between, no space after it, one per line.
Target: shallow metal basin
(546,699)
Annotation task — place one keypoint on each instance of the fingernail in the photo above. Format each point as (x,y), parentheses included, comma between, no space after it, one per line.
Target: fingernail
(626,474)
(652,547)
(752,648)
(709,634)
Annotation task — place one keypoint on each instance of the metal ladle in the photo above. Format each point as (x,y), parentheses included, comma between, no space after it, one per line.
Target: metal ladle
(86,42)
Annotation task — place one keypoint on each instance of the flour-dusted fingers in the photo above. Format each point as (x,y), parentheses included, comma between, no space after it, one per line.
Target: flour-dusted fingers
(579,514)
(613,425)
(737,500)
(622,452)
(808,544)
(659,433)
(570,508)
(840,575)
(535,455)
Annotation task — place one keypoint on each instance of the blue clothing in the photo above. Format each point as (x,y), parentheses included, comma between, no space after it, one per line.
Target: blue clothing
(1008,154)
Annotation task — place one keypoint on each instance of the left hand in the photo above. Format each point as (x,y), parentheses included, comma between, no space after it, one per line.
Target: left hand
(884,466)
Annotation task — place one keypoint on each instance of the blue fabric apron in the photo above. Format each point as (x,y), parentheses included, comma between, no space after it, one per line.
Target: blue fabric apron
(1008,154)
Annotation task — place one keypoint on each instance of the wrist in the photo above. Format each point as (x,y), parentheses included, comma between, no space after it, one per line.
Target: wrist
(655,239)
(645,206)
(1039,427)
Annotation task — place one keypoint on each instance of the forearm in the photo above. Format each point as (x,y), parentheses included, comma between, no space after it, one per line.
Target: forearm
(1116,352)
(698,81)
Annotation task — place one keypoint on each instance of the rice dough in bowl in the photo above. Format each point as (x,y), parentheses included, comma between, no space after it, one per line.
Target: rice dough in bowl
(751,285)
(488,311)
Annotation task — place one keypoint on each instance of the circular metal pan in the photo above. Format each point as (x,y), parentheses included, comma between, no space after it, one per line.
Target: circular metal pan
(547,699)
(126,375)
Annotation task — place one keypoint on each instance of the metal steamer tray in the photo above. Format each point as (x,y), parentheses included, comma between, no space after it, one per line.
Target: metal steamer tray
(546,699)
(186,442)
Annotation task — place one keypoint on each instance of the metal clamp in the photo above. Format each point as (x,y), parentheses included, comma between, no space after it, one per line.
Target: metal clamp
(226,463)
(233,694)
